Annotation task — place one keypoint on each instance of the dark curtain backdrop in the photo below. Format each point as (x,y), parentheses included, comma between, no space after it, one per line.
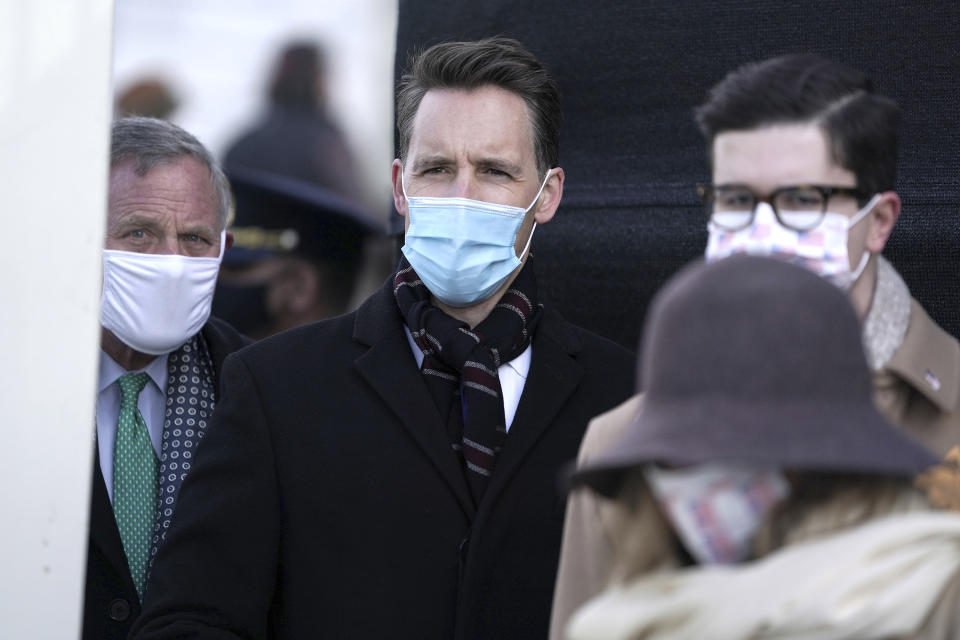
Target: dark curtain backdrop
(631,74)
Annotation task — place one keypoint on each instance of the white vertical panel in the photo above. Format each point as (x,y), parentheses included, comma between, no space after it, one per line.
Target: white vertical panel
(54,132)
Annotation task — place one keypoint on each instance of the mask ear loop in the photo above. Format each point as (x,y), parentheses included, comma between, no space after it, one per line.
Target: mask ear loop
(542,185)
(223,244)
(860,215)
(867,208)
(532,204)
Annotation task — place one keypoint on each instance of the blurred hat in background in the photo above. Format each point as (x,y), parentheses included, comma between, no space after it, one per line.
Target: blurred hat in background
(150,97)
(277,215)
(756,361)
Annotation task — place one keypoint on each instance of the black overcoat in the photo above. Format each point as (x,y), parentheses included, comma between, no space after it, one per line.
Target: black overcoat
(326,501)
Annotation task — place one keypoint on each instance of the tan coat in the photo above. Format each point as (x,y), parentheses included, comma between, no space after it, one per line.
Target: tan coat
(919,390)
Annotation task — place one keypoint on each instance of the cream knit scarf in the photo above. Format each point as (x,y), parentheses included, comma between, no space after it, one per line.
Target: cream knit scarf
(886,324)
(878,580)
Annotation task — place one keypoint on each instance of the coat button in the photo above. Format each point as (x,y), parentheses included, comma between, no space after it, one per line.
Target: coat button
(118,610)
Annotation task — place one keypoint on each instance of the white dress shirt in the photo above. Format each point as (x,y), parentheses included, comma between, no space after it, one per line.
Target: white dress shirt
(152,405)
(513,375)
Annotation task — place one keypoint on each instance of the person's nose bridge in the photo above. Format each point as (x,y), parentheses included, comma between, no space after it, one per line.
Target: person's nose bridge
(169,242)
(465,183)
(763,212)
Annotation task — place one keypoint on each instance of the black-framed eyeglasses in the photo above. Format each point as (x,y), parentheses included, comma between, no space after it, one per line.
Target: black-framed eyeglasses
(801,208)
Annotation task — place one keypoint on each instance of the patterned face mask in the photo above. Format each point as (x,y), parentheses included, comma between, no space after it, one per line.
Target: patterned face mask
(822,249)
(716,509)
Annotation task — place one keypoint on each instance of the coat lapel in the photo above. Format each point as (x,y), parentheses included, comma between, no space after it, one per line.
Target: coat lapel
(390,369)
(553,377)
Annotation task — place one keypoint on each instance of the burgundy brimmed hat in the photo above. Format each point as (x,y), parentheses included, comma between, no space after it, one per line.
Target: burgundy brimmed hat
(756,361)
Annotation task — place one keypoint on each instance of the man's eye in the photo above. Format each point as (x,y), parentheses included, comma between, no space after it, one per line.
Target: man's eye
(192,237)
(800,200)
(733,200)
(138,234)
(497,172)
(434,170)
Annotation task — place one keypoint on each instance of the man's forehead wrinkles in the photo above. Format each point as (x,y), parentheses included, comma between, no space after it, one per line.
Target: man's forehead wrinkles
(497,162)
(430,159)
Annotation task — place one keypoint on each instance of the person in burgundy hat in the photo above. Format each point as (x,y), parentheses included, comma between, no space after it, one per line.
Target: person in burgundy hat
(759,460)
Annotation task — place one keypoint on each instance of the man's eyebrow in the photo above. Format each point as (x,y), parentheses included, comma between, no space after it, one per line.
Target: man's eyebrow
(499,164)
(134,220)
(425,162)
(198,230)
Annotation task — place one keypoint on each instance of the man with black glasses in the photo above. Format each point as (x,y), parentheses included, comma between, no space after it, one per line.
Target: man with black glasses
(803,154)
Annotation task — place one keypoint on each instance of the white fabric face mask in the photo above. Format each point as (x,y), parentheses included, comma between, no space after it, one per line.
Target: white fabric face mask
(716,509)
(822,249)
(154,303)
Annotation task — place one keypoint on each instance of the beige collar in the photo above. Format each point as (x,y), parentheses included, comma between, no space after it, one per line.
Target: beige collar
(900,338)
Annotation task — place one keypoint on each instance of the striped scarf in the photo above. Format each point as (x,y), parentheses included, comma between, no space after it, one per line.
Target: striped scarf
(460,364)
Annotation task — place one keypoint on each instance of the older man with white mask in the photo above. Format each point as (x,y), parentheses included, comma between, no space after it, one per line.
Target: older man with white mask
(161,353)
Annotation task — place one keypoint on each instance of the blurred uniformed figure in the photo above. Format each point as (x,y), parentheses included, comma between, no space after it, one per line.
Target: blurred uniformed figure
(298,251)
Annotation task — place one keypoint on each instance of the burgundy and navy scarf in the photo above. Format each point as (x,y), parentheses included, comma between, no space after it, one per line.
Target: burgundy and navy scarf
(460,364)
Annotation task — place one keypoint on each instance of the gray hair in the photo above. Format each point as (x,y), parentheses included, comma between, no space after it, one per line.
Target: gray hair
(150,142)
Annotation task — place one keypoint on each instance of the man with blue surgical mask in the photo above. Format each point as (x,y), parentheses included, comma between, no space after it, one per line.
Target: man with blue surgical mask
(161,354)
(403,458)
(803,154)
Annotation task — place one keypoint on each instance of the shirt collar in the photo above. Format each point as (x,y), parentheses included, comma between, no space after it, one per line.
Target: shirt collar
(110,371)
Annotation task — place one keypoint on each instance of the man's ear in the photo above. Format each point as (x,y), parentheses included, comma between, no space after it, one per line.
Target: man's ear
(882,220)
(229,240)
(399,201)
(550,197)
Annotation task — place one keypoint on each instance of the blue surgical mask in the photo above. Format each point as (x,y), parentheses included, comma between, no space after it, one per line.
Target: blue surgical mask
(463,249)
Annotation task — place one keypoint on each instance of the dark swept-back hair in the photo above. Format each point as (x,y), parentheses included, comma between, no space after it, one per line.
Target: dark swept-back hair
(860,124)
(500,62)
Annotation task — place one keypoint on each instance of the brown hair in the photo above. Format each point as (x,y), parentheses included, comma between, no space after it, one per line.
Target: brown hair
(823,503)
(500,62)
(820,503)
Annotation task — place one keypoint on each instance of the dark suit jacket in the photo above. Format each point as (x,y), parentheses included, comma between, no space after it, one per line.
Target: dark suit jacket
(110,601)
(326,500)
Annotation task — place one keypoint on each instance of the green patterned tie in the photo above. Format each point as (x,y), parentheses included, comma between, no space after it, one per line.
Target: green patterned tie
(134,479)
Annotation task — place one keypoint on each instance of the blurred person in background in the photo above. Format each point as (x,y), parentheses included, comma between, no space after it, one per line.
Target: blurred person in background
(403,458)
(161,354)
(149,97)
(762,493)
(803,154)
(297,254)
(296,136)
